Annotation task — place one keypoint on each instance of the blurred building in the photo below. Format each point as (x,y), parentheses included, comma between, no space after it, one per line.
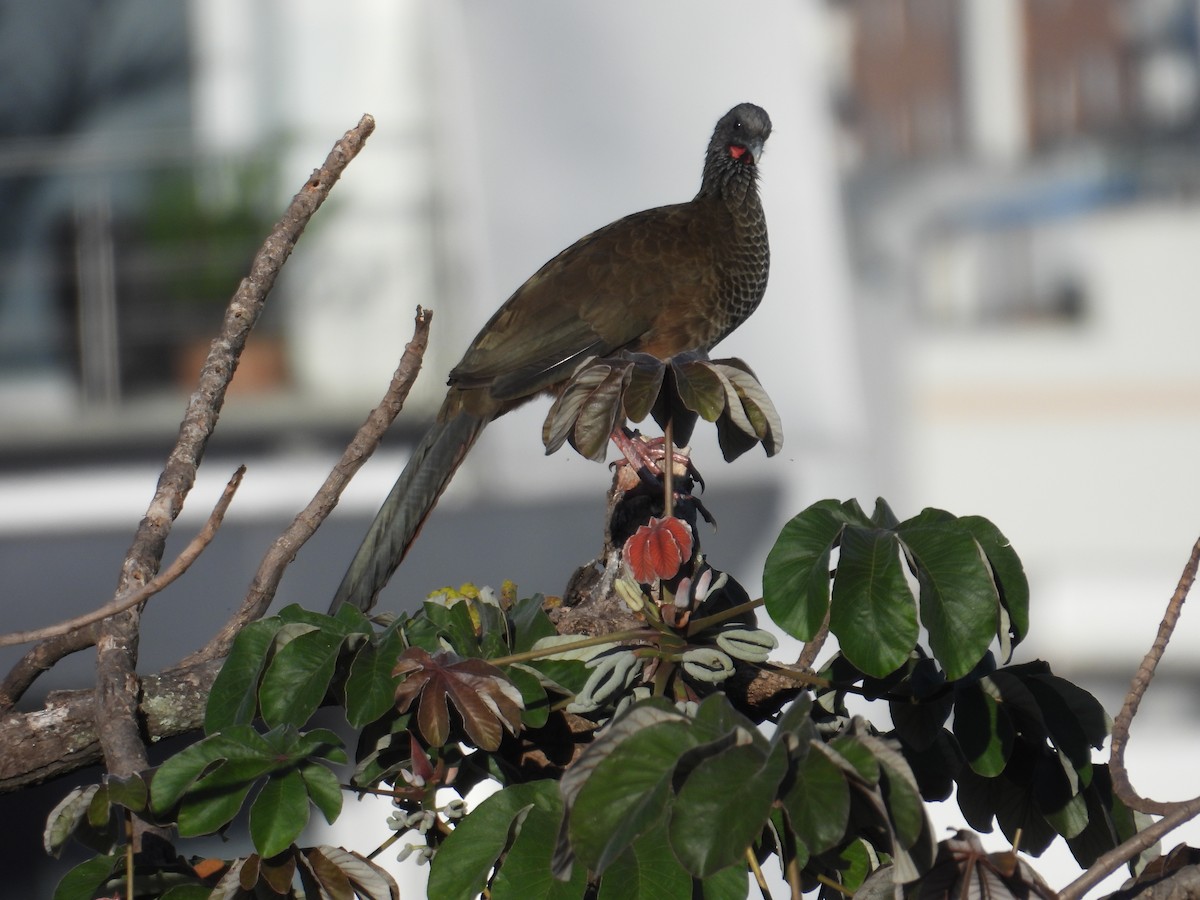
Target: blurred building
(1020,184)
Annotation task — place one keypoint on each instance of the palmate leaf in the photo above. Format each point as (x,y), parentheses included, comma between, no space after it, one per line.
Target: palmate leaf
(516,825)
(606,393)
(486,701)
(971,585)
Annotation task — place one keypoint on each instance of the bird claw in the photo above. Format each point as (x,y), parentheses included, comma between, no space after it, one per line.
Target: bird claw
(646,455)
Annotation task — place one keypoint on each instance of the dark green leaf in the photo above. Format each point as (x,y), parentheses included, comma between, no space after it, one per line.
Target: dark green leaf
(177,775)
(86,879)
(569,674)
(883,515)
(983,730)
(279,813)
(323,789)
(130,792)
(370,687)
(627,793)
(209,812)
(647,870)
(525,873)
(873,614)
(536,704)
(1007,570)
(817,802)
(1075,718)
(731,883)
(454,624)
(796,577)
(465,860)
(706,798)
(294,613)
(1009,798)
(530,623)
(958,597)
(298,678)
(234,696)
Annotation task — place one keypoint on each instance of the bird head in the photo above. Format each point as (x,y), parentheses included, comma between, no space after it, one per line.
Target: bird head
(741,134)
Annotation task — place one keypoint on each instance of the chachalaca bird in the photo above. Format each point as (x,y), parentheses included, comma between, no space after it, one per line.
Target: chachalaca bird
(664,281)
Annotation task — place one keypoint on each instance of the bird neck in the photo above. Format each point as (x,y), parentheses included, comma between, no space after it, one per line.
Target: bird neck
(732,183)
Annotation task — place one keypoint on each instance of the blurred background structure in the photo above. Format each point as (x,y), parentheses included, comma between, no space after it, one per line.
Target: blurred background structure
(985,222)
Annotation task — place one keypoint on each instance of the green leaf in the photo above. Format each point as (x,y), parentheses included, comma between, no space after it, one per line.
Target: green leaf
(796,577)
(873,614)
(454,623)
(530,623)
(1007,571)
(731,883)
(208,814)
(647,870)
(525,871)
(296,614)
(178,773)
(983,730)
(817,802)
(706,798)
(627,792)
(323,789)
(298,678)
(536,710)
(234,696)
(370,687)
(700,388)
(958,597)
(883,515)
(279,813)
(467,857)
(86,879)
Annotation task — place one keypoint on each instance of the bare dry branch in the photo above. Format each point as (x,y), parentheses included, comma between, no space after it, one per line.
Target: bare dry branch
(1119,855)
(117,684)
(61,737)
(1141,681)
(287,545)
(122,602)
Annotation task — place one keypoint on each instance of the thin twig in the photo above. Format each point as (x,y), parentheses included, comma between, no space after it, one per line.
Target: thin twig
(1141,681)
(117,682)
(283,550)
(123,601)
(669,471)
(812,648)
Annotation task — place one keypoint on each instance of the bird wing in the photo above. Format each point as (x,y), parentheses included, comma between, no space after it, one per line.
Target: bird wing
(606,292)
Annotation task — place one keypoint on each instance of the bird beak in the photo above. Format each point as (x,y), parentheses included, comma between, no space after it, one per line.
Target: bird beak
(755,149)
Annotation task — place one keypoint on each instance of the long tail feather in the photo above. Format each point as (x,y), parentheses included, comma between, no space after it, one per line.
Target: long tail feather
(407,507)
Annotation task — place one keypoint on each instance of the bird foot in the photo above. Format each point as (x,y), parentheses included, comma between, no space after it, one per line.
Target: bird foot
(646,456)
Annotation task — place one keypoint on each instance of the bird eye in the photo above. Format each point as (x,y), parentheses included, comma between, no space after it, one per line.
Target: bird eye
(737,123)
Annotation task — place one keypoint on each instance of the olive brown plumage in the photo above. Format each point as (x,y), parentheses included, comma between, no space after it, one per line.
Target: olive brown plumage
(665,281)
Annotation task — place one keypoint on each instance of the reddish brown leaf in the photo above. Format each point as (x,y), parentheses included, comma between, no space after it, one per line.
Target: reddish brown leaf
(656,551)
(486,701)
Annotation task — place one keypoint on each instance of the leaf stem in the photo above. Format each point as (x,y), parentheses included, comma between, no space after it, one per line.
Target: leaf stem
(706,622)
(614,637)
